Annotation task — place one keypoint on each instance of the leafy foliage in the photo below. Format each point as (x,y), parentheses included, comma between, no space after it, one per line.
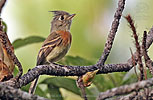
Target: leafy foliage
(66,83)
(5,26)
(70,60)
(26,41)
(39,91)
(55,83)
(54,92)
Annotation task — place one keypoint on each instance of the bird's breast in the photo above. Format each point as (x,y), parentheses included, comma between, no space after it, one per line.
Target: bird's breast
(62,48)
(66,37)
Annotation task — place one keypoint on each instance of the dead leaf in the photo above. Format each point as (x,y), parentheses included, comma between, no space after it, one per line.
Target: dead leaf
(5,73)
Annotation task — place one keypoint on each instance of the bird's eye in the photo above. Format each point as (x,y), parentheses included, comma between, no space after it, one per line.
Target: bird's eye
(61,17)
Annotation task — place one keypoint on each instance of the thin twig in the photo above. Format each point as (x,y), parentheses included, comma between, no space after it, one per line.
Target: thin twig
(8,46)
(143,51)
(138,49)
(148,61)
(144,47)
(80,84)
(112,33)
(149,41)
(134,63)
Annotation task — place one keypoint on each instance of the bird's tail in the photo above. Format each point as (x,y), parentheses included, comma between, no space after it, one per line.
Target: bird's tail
(33,86)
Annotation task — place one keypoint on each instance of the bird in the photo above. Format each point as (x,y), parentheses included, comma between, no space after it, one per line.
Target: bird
(57,43)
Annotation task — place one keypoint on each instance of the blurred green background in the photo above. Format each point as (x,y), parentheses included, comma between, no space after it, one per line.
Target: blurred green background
(89,29)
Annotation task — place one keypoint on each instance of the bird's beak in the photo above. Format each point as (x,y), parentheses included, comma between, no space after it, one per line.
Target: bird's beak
(71,16)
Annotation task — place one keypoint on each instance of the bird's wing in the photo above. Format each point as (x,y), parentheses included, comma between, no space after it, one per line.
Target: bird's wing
(49,44)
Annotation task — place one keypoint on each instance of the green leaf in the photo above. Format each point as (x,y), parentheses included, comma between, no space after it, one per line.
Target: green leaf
(15,71)
(38,91)
(25,88)
(129,77)
(61,82)
(108,81)
(91,93)
(70,60)
(130,80)
(5,26)
(103,82)
(54,92)
(26,41)
(66,83)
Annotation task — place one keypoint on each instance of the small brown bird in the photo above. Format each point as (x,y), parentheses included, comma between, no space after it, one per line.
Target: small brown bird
(57,43)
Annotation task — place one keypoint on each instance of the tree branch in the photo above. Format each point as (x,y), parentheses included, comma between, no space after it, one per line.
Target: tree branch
(60,70)
(137,44)
(112,33)
(149,41)
(10,93)
(125,89)
(7,44)
(148,61)
(141,95)
(127,97)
